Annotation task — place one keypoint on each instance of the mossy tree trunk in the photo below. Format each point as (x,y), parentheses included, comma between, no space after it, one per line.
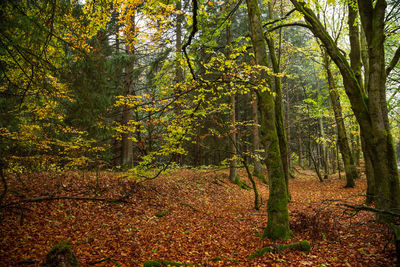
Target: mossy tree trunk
(343,143)
(370,110)
(278,215)
(369,173)
(280,127)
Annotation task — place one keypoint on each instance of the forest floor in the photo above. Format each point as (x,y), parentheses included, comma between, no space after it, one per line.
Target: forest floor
(188,216)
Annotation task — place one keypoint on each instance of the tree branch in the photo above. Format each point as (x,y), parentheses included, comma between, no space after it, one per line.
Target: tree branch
(192,34)
(289,25)
(280,19)
(394,61)
(366,208)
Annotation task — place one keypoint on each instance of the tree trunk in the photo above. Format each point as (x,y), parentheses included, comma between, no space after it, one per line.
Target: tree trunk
(233,175)
(349,166)
(322,146)
(280,126)
(258,172)
(278,215)
(369,173)
(300,146)
(127,115)
(177,157)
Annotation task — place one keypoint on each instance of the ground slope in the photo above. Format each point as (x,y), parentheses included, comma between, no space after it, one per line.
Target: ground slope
(194,217)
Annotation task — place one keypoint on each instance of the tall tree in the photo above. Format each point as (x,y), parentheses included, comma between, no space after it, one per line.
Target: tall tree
(278,215)
(277,85)
(127,112)
(233,175)
(349,166)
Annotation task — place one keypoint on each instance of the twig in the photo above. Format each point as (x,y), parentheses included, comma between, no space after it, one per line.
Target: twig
(50,198)
(105,259)
(366,208)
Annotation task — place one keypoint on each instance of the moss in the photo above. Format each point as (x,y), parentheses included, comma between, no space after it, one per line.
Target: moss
(61,255)
(162,213)
(300,246)
(161,263)
(277,231)
(260,252)
(278,220)
(218,258)
(304,246)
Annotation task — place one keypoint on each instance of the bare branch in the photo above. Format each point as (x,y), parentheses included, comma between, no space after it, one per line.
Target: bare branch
(192,34)
(394,61)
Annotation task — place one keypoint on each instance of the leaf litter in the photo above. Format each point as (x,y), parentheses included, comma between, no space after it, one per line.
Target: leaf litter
(187,216)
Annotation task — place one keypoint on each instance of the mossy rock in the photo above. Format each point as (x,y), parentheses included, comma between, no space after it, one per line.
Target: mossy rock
(61,255)
(161,263)
(300,246)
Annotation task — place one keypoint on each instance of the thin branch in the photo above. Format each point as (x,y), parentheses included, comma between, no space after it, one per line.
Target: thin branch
(51,198)
(290,25)
(394,61)
(280,19)
(192,34)
(366,208)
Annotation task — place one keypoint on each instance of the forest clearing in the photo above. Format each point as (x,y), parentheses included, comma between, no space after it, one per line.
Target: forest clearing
(195,217)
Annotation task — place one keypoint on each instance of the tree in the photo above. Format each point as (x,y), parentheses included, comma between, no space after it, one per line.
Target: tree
(278,215)
(349,167)
(277,85)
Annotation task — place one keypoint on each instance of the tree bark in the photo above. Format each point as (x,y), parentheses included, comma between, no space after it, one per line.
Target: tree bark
(278,215)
